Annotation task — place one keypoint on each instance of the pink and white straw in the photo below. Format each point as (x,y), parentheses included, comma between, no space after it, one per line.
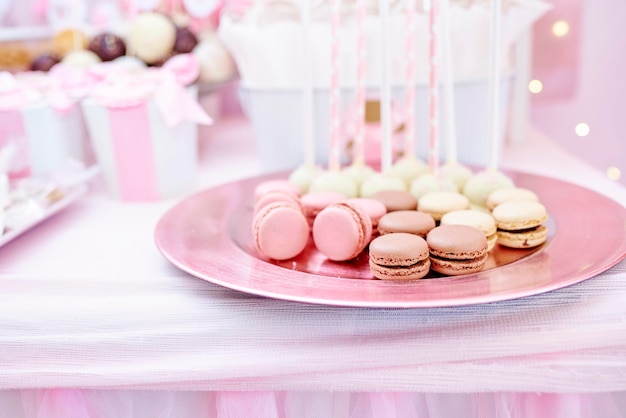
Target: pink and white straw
(334,162)
(409,139)
(433,86)
(359,94)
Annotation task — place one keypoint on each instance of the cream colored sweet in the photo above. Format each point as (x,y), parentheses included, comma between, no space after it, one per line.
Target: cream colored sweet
(380,182)
(427,183)
(216,63)
(359,172)
(480,220)
(511,194)
(151,37)
(438,203)
(408,169)
(457,172)
(81,59)
(520,224)
(334,181)
(481,184)
(304,175)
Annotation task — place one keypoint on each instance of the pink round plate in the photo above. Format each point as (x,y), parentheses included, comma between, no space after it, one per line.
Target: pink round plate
(209,236)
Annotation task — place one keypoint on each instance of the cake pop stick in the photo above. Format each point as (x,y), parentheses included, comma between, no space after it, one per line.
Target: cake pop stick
(408,168)
(358,171)
(494,84)
(456,172)
(385,180)
(359,90)
(334,159)
(409,122)
(480,185)
(386,154)
(303,176)
(433,86)
(334,180)
(432,181)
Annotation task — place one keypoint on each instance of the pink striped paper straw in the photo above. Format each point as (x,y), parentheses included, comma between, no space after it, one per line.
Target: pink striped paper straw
(334,159)
(433,85)
(359,94)
(409,139)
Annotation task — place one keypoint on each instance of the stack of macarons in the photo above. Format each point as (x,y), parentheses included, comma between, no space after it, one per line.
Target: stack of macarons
(519,217)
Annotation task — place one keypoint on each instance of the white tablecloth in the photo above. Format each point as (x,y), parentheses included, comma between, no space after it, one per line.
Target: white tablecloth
(87,301)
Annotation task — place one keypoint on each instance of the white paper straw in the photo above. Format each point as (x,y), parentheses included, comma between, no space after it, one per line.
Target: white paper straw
(494,83)
(386,153)
(451,146)
(307,84)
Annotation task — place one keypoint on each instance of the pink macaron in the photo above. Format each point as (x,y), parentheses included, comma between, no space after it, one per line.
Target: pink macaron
(342,231)
(280,230)
(313,203)
(275,185)
(275,196)
(374,208)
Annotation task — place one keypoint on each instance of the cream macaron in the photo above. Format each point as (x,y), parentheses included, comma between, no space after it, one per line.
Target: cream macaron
(480,220)
(510,194)
(438,203)
(520,224)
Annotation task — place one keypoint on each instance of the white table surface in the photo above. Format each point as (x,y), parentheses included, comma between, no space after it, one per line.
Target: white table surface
(86,300)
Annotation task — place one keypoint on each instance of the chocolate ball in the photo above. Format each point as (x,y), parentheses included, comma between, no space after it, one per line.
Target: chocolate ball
(44,62)
(107,46)
(185,41)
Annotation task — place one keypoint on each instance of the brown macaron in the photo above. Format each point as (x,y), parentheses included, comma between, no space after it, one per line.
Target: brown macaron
(396,200)
(410,221)
(399,256)
(457,249)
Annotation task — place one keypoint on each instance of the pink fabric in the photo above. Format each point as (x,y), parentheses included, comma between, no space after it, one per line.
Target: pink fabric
(73,403)
(133,150)
(13,134)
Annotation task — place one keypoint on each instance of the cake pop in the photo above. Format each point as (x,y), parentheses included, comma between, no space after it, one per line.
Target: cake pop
(216,64)
(151,37)
(334,181)
(456,172)
(185,40)
(44,62)
(431,183)
(68,40)
(304,175)
(107,46)
(481,184)
(408,169)
(81,59)
(379,182)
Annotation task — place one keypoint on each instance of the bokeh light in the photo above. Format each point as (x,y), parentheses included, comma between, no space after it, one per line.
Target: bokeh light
(613,173)
(560,28)
(582,129)
(535,86)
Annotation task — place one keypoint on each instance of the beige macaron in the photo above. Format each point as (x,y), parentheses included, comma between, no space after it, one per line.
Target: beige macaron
(438,203)
(479,220)
(510,194)
(520,224)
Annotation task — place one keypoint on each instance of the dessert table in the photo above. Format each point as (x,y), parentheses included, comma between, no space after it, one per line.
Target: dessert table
(95,322)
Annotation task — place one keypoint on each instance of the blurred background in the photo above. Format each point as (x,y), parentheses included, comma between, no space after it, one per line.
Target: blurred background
(576,86)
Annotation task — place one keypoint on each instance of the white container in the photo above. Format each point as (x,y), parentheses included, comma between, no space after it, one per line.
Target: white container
(142,159)
(43,140)
(276,118)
